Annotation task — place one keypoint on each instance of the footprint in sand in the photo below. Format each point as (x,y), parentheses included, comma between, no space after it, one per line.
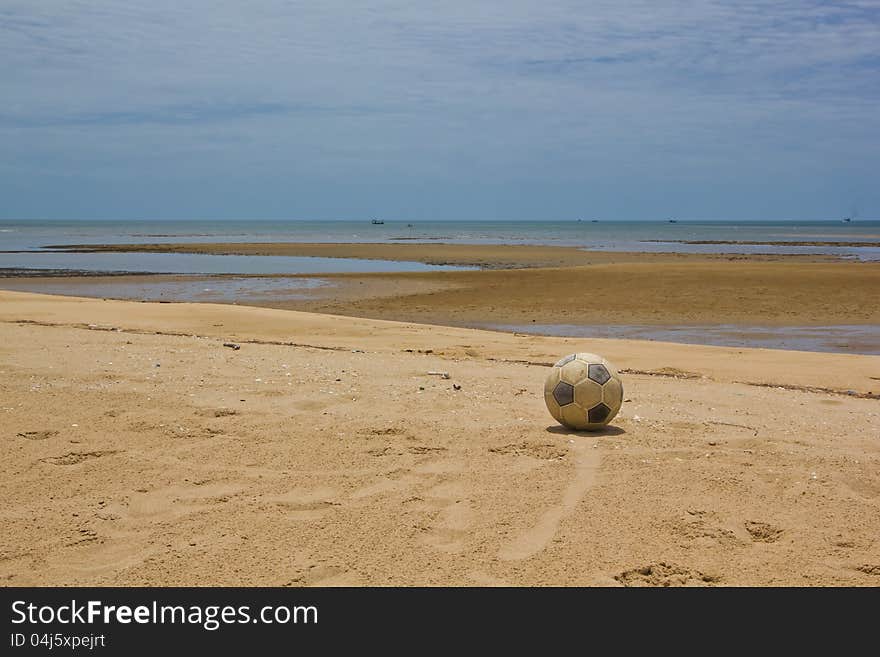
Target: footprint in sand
(323,574)
(454,518)
(306,504)
(664,574)
(436,489)
(125,532)
(532,541)
(171,503)
(386,485)
(762,532)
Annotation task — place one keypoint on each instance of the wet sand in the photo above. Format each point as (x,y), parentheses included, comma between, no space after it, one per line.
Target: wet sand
(140,450)
(841,338)
(486,256)
(563,285)
(668,293)
(863,244)
(334,293)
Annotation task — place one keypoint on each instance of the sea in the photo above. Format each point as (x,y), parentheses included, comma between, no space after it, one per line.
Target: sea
(647,236)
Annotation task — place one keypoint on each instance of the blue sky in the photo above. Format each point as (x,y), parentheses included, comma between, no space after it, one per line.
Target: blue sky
(454,110)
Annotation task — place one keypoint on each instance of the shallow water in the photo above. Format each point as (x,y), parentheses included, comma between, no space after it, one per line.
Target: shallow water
(207,290)
(603,235)
(860,339)
(186,263)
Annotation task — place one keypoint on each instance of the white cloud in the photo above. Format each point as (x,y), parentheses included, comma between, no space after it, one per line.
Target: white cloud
(501,90)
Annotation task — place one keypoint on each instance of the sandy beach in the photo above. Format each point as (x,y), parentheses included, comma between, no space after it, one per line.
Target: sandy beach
(140,450)
(283,291)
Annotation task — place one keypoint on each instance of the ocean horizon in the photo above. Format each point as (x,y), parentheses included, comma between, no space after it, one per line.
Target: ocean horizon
(835,238)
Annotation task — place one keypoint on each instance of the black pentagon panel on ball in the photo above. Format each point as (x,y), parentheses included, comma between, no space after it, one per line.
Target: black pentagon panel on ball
(599,373)
(563,393)
(598,413)
(565,360)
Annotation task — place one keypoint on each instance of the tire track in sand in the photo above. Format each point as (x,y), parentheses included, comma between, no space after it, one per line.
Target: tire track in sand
(539,536)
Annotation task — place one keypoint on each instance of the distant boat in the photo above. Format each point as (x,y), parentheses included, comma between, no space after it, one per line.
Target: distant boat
(595,221)
(377,221)
(673,221)
(846,220)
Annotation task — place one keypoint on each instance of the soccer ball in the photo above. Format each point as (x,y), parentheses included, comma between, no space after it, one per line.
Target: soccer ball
(583,391)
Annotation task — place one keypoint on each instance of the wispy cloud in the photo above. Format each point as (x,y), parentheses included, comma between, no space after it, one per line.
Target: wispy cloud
(563,95)
(186,115)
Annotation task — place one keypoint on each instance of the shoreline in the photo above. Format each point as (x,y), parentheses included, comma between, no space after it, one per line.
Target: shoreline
(290,292)
(582,289)
(264,325)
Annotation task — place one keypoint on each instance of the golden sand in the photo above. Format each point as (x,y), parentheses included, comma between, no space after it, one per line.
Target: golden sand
(140,450)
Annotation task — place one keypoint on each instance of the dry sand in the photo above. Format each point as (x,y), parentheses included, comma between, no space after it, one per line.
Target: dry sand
(139,450)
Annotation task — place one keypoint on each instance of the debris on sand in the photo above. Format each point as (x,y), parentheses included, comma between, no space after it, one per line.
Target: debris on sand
(232,345)
(442,375)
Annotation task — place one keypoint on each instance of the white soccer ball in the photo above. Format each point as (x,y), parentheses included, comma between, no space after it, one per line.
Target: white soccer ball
(583,391)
